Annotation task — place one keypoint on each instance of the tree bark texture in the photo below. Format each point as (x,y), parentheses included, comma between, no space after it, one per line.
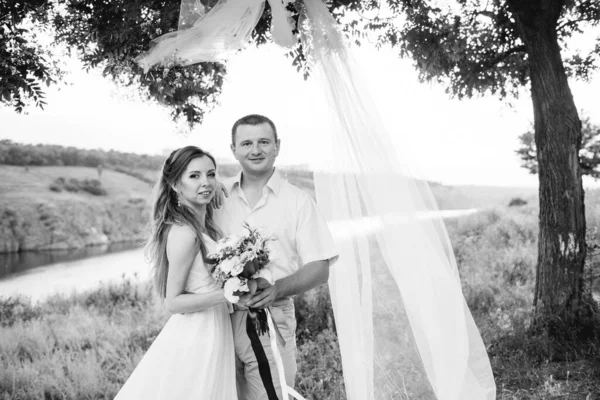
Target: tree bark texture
(562,247)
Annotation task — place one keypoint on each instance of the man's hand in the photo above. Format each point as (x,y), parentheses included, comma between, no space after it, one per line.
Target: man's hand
(220,195)
(242,304)
(262,283)
(264,298)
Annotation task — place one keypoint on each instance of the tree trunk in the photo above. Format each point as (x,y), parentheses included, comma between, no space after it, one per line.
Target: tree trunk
(558,298)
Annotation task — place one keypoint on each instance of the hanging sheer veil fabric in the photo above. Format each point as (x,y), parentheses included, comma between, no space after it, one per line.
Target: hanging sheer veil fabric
(214,33)
(396,285)
(404,329)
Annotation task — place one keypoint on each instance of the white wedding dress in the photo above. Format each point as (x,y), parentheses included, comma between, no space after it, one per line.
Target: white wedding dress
(193,356)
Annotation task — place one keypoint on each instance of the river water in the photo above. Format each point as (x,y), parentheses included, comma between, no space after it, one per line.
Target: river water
(67,276)
(18,263)
(40,274)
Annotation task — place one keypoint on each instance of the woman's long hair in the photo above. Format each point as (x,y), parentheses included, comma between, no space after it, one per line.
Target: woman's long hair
(166,212)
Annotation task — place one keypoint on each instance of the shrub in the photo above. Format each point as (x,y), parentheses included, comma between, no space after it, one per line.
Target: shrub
(320,368)
(313,313)
(91,186)
(17,309)
(517,202)
(136,201)
(56,188)
(72,185)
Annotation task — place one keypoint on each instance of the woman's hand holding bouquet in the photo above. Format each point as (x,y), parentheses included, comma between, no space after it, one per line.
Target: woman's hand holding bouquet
(241,265)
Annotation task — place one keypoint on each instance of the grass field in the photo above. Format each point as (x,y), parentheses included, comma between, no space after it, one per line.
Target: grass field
(84,346)
(32,183)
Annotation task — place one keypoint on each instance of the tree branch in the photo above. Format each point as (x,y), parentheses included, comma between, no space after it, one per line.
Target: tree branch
(573,22)
(504,55)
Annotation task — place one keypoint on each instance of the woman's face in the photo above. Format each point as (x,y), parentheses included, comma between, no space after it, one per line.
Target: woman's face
(197,184)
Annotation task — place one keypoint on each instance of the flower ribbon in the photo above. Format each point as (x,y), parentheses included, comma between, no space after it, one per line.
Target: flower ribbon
(261,357)
(253,322)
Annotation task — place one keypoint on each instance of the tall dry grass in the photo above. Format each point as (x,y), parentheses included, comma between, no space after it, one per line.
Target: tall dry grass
(84,346)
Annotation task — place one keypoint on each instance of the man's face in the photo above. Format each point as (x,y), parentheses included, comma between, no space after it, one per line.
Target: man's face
(255,148)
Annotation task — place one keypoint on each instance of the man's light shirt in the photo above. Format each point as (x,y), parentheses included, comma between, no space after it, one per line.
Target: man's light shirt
(287,213)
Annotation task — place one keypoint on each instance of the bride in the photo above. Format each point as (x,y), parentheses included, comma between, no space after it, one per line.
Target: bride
(193,356)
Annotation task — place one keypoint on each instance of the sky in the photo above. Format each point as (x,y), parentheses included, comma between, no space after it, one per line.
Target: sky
(469,142)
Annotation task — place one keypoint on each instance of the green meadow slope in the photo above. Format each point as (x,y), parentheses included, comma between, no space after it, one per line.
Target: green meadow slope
(33,217)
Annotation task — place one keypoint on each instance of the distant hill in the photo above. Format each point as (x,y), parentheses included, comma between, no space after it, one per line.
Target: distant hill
(13,153)
(481,197)
(32,183)
(32,217)
(146,167)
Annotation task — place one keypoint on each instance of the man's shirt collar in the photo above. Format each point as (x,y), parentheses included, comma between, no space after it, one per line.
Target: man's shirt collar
(274,182)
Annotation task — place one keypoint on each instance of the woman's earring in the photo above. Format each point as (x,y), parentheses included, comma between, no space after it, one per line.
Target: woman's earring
(178,200)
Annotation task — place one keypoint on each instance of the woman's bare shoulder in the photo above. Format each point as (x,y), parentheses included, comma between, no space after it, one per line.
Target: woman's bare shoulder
(181,235)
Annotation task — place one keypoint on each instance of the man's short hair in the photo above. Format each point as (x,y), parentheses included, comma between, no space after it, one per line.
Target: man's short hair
(252,119)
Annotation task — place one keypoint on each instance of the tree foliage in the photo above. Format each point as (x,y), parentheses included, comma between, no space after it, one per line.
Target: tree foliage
(106,34)
(12,153)
(111,34)
(24,65)
(589,154)
(474,46)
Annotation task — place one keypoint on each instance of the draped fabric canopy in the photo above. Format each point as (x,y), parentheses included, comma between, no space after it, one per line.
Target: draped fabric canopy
(404,329)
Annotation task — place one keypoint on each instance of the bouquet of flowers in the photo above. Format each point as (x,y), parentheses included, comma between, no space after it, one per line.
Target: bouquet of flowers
(239,260)
(240,263)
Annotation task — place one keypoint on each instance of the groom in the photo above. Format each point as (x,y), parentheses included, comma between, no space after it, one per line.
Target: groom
(304,248)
